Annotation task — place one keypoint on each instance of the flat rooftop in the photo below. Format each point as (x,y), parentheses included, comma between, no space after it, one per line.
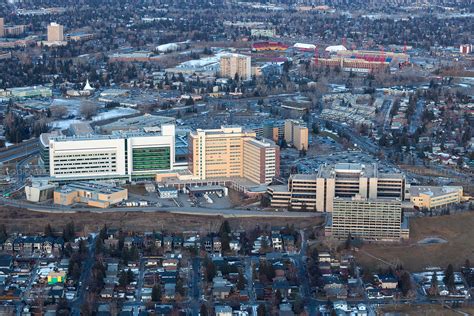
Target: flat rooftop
(138,122)
(115,135)
(192,188)
(299,176)
(45,137)
(348,167)
(370,170)
(81,128)
(434,190)
(339,169)
(90,187)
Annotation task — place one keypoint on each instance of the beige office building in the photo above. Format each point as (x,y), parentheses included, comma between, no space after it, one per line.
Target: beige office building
(55,33)
(316,192)
(232,152)
(369,219)
(429,197)
(296,134)
(233,64)
(93,194)
(261,160)
(14,30)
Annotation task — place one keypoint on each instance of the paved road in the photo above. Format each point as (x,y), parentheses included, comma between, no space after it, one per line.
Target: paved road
(249,278)
(364,143)
(19,151)
(27,292)
(84,279)
(196,286)
(387,108)
(140,281)
(300,263)
(175,210)
(416,118)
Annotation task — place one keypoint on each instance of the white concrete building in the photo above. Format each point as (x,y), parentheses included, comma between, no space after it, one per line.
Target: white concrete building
(39,191)
(128,155)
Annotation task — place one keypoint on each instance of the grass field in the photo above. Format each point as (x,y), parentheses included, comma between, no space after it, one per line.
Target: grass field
(457,229)
(20,220)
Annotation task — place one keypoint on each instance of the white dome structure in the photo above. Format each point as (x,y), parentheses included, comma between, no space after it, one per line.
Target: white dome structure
(335,49)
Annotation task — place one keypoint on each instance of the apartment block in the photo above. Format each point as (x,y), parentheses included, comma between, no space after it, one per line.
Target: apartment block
(55,32)
(432,197)
(296,134)
(261,160)
(232,152)
(236,64)
(369,219)
(2,27)
(14,30)
(316,192)
(273,130)
(122,155)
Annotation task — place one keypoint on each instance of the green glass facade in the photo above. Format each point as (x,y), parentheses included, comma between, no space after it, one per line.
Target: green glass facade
(151,158)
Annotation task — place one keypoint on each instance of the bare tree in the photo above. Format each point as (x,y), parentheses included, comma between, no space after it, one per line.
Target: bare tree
(58,111)
(88,110)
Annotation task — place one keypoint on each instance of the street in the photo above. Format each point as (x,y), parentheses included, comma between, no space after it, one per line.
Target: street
(175,210)
(84,279)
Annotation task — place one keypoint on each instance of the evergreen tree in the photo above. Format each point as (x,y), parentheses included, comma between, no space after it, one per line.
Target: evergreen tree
(180,287)
(449,277)
(3,233)
(405,283)
(298,306)
(241,282)
(69,232)
(156,293)
(203,310)
(48,231)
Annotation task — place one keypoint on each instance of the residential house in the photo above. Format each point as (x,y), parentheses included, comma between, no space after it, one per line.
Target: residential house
(216,244)
(277,242)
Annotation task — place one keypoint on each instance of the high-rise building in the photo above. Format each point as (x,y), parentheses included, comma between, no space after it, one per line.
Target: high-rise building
(215,153)
(296,134)
(55,32)
(2,27)
(232,152)
(261,160)
(351,179)
(236,64)
(122,155)
(316,192)
(370,219)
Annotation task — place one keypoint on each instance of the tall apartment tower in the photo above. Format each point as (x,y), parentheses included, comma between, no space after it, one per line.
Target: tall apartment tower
(261,160)
(231,152)
(55,32)
(296,134)
(233,64)
(2,27)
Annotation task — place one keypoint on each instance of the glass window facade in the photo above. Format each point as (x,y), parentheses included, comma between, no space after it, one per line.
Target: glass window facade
(151,158)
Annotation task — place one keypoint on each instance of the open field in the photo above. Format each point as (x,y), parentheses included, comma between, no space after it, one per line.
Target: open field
(25,221)
(423,310)
(456,229)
